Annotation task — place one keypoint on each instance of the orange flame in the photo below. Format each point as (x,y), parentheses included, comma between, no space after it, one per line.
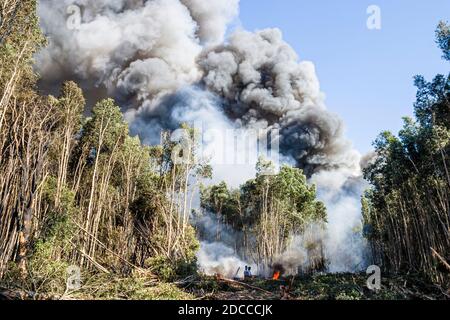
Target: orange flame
(276,275)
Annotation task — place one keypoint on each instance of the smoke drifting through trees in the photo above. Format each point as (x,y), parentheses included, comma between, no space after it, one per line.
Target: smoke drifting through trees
(165,62)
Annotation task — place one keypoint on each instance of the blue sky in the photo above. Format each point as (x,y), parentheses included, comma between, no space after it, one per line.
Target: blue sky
(367,75)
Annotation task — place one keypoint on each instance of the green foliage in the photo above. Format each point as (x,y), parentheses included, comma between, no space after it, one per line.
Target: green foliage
(47,263)
(270,209)
(46,275)
(163,267)
(443,39)
(106,127)
(288,188)
(20,39)
(168,270)
(342,286)
(57,224)
(91,195)
(70,104)
(81,190)
(191,245)
(134,287)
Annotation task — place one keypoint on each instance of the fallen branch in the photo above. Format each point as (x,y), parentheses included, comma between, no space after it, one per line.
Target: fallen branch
(244,285)
(19,294)
(106,248)
(444,262)
(95,263)
(188,280)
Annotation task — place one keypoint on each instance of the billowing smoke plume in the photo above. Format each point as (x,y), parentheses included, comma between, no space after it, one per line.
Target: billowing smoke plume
(166,62)
(212,17)
(264,85)
(134,49)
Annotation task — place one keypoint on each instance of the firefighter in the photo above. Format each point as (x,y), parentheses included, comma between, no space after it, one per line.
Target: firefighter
(246,272)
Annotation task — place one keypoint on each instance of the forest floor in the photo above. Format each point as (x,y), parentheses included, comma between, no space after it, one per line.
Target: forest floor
(317,287)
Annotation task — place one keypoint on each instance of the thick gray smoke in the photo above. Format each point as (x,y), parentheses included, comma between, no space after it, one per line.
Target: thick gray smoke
(167,62)
(264,85)
(135,49)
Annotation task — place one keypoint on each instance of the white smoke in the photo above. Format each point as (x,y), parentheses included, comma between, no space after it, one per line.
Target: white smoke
(142,48)
(212,17)
(305,251)
(217,258)
(341,192)
(166,62)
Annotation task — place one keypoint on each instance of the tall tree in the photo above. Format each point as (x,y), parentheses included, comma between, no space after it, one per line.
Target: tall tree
(407,211)
(269,209)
